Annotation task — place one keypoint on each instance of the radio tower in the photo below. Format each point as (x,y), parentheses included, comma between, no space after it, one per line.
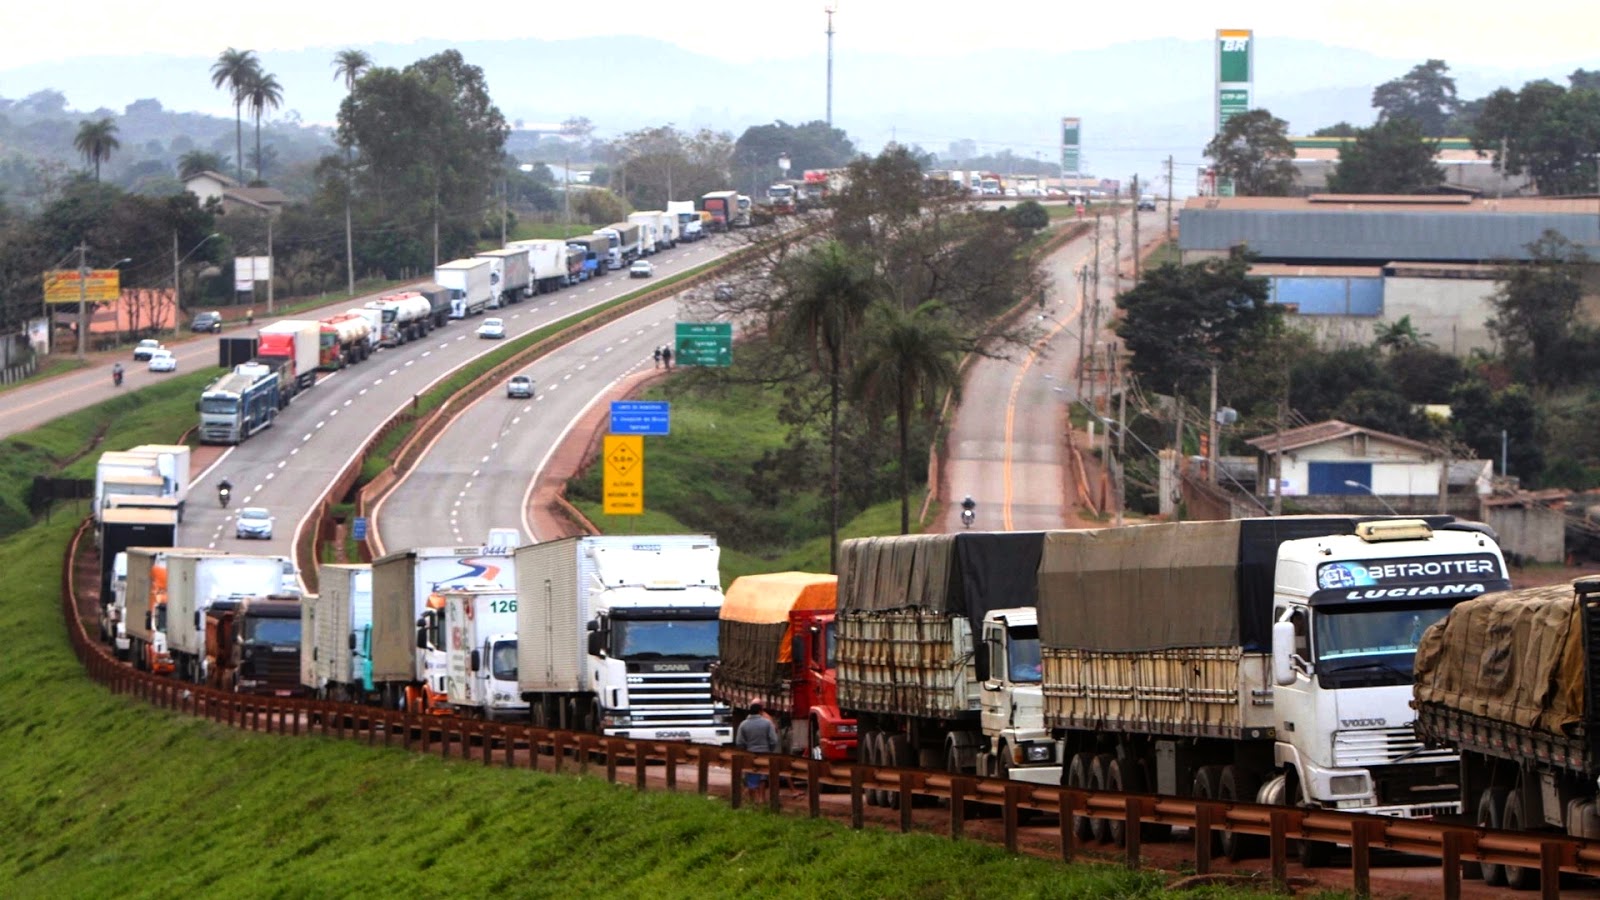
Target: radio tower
(829,10)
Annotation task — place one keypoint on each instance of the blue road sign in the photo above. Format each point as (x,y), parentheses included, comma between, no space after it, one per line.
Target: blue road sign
(358,528)
(640,417)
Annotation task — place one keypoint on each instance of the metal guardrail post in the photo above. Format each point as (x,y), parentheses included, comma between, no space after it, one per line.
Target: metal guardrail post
(857,797)
(671,764)
(813,788)
(1070,802)
(959,788)
(1450,866)
(1009,814)
(1279,843)
(639,762)
(1133,810)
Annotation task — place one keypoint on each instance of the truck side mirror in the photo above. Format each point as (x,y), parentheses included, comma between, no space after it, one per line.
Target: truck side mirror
(422,635)
(352,640)
(1283,653)
(477,660)
(199,623)
(597,643)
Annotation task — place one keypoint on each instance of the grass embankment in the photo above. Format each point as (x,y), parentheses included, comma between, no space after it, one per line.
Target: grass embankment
(103,795)
(528,231)
(1165,253)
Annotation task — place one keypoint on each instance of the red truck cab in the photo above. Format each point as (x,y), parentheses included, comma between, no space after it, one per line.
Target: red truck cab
(828,734)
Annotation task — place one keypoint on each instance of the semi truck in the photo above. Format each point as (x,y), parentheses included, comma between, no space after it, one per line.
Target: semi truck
(596,253)
(336,635)
(775,641)
(617,634)
(405,675)
(510,274)
(407,315)
(1508,682)
(723,207)
(547,263)
(122,529)
(625,242)
(299,341)
(1258,660)
(653,232)
(253,646)
(374,326)
(478,633)
(112,630)
(688,219)
(144,613)
(239,404)
(469,285)
(120,471)
(198,578)
(438,297)
(344,341)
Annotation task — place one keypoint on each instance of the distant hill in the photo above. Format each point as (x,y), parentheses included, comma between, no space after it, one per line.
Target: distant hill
(1140,101)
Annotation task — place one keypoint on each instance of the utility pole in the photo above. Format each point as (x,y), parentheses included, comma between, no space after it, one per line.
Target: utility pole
(349,251)
(177,287)
(1116,249)
(504,208)
(1083,294)
(1169,199)
(269,264)
(1094,314)
(566,196)
(1136,196)
(83,299)
(1211,443)
(829,11)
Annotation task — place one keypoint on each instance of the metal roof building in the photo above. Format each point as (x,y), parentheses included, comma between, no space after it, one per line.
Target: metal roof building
(1373,230)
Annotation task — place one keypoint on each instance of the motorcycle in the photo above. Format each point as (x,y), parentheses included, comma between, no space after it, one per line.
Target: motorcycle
(967,516)
(116,376)
(223,493)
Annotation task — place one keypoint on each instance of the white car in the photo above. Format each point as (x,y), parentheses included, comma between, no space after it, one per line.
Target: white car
(254,522)
(163,361)
(492,328)
(146,348)
(641,269)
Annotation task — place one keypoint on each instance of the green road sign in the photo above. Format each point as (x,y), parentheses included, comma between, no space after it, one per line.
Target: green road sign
(703,344)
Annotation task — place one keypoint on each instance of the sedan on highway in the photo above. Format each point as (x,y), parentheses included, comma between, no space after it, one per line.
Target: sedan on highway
(209,321)
(146,349)
(492,328)
(520,386)
(641,269)
(163,361)
(254,522)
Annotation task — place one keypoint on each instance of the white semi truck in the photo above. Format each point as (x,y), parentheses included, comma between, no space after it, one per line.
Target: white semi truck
(617,635)
(510,274)
(469,283)
(479,636)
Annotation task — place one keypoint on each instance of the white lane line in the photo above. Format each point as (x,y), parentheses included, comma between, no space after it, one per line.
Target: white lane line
(362,391)
(411,362)
(516,420)
(270,475)
(378,382)
(475,474)
(493,446)
(528,408)
(348,402)
(394,371)
(567,377)
(256,488)
(426,352)
(305,438)
(282,463)
(581,368)
(322,423)
(294,451)
(332,413)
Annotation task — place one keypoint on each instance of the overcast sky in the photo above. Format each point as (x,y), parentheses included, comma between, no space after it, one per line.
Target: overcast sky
(1466,33)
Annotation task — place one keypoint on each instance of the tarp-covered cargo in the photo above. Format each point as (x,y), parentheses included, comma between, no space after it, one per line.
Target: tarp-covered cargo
(754,640)
(1515,657)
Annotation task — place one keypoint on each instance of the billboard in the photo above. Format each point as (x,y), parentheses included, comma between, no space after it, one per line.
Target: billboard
(1070,131)
(64,286)
(1235,62)
(247,270)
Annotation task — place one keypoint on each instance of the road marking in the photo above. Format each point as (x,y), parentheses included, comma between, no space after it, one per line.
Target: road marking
(282,463)
(294,451)
(516,420)
(322,423)
(362,392)
(394,371)
(305,438)
(378,382)
(270,474)
(493,446)
(411,362)
(581,368)
(567,377)
(332,412)
(256,488)
(483,460)
(426,352)
(475,472)
(348,402)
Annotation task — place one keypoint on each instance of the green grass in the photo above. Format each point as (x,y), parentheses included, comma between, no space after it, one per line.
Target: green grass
(49,367)
(528,231)
(1164,253)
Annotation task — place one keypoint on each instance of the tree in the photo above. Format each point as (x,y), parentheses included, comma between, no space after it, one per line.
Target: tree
(233,70)
(349,65)
(1029,215)
(95,141)
(262,92)
(1479,414)
(908,362)
(196,161)
(1426,95)
(1585,79)
(827,291)
(1254,151)
(1391,157)
(812,145)
(660,164)
(1179,321)
(1545,131)
(1338,129)
(1536,308)
(1398,336)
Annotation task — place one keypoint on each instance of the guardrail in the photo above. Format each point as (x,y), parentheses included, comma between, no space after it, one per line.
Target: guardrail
(526,746)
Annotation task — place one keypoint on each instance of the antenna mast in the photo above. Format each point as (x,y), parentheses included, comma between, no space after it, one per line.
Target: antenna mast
(829,10)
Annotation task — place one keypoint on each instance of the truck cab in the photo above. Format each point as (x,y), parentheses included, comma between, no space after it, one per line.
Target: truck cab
(820,728)
(480,645)
(253,645)
(1017,743)
(1348,613)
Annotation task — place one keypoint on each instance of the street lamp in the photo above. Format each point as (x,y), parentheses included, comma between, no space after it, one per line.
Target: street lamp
(83,297)
(1357,484)
(177,281)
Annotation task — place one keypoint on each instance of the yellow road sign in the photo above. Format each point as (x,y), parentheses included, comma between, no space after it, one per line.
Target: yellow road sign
(623,481)
(102,285)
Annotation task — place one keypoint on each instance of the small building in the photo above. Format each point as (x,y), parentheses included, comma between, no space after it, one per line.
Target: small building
(234,197)
(1465,167)
(1334,466)
(1530,524)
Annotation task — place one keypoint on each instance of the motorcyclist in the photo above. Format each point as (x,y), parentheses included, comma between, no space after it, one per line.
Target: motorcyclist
(116,374)
(969,510)
(224,491)
(969,504)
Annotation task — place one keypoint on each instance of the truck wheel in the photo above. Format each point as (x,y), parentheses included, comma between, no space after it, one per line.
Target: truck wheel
(1490,804)
(870,753)
(1518,878)
(1078,777)
(1207,781)
(1122,778)
(1100,780)
(897,753)
(1239,785)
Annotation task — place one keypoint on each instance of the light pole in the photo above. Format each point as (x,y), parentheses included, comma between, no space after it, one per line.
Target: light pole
(83,297)
(1357,484)
(177,281)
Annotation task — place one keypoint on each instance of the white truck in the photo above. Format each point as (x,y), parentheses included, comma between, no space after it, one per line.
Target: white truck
(112,629)
(408,662)
(160,470)
(405,316)
(198,578)
(336,634)
(626,243)
(650,237)
(687,218)
(617,635)
(469,284)
(479,639)
(509,274)
(547,260)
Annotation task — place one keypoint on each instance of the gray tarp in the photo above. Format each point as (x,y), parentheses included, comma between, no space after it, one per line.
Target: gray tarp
(1147,587)
(1514,656)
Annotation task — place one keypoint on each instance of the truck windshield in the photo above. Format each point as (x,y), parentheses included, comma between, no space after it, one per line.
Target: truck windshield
(503,660)
(661,638)
(219,406)
(278,632)
(1368,646)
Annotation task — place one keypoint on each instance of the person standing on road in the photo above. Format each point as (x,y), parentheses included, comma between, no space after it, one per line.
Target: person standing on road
(658,357)
(666,356)
(756,734)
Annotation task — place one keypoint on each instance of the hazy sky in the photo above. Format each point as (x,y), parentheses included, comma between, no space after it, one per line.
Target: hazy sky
(1472,32)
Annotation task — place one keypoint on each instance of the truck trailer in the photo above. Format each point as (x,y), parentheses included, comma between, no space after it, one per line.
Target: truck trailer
(775,640)
(471,289)
(124,528)
(478,633)
(407,316)
(120,471)
(625,243)
(547,263)
(144,613)
(509,274)
(199,578)
(596,253)
(336,635)
(1509,682)
(617,634)
(723,207)
(688,220)
(299,341)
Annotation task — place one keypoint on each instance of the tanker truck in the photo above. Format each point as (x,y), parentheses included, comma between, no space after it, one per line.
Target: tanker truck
(407,315)
(344,341)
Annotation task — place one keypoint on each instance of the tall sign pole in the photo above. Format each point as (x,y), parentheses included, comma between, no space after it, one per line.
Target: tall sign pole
(829,11)
(1235,67)
(1071,135)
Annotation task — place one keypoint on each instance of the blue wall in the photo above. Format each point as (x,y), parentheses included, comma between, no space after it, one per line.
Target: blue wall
(1329,296)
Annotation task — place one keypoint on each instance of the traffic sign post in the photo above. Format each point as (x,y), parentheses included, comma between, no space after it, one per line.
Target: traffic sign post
(703,344)
(641,417)
(623,482)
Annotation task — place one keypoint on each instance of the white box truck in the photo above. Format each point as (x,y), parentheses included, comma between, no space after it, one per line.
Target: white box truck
(408,662)
(480,645)
(547,260)
(649,232)
(336,634)
(687,218)
(663,225)
(509,274)
(173,462)
(468,281)
(617,634)
(125,473)
(198,578)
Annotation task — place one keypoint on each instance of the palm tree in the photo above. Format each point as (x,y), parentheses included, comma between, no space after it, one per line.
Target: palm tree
(831,292)
(908,359)
(262,92)
(350,65)
(95,141)
(233,69)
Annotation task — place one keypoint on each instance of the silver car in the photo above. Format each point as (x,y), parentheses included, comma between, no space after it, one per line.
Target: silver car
(254,522)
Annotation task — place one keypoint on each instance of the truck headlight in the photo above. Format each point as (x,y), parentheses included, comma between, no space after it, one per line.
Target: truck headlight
(1348,784)
(616,721)
(1038,753)
(847,728)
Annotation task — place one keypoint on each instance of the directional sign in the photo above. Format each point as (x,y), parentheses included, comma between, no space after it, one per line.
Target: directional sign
(704,344)
(623,482)
(358,528)
(640,417)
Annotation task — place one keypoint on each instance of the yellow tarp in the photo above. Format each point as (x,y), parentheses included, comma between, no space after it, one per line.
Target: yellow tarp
(765,599)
